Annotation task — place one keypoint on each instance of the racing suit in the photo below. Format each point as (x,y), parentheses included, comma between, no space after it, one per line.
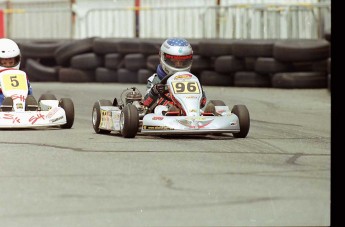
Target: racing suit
(2,97)
(151,98)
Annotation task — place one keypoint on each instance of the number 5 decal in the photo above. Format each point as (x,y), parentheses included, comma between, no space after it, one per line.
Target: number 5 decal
(14,82)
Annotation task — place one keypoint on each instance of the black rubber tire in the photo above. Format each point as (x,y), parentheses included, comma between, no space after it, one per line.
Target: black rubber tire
(242,113)
(215,47)
(129,121)
(87,61)
(210,106)
(39,50)
(76,75)
(67,50)
(47,96)
(127,76)
(105,46)
(114,61)
(253,48)
(217,102)
(200,64)
(143,75)
(150,46)
(38,72)
(129,46)
(213,78)
(271,65)
(106,75)
(229,64)
(134,62)
(96,120)
(68,106)
(301,50)
(152,62)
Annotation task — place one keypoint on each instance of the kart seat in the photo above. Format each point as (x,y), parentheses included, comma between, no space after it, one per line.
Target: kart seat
(31,103)
(7,104)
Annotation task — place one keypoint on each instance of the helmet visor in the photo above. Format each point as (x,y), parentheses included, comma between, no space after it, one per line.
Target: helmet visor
(9,62)
(178,62)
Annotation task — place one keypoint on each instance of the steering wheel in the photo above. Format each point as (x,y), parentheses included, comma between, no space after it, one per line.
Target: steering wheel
(164,81)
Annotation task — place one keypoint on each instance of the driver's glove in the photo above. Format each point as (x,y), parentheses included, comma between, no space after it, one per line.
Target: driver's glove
(158,89)
(153,95)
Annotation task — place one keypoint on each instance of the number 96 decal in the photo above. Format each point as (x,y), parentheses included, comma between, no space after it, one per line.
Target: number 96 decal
(186,87)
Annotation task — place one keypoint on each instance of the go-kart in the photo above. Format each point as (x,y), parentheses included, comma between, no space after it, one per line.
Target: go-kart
(128,115)
(20,110)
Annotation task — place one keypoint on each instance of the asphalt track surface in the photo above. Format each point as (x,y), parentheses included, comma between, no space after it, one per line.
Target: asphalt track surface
(278,176)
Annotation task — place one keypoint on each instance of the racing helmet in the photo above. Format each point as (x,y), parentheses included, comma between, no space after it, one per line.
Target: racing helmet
(9,54)
(176,55)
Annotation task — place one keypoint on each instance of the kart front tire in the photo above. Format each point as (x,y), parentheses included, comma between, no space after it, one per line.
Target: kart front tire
(68,106)
(129,121)
(242,113)
(96,116)
(47,96)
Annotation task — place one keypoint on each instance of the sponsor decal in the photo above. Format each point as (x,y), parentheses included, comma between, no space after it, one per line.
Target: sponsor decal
(19,106)
(196,118)
(33,119)
(116,116)
(20,97)
(157,118)
(106,119)
(195,123)
(192,97)
(52,112)
(12,118)
(178,57)
(183,76)
(56,119)
(156,127)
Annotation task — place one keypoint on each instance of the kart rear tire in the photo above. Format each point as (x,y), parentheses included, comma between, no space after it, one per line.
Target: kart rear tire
(47,96)
(242,113)
(96,116)
(217,102)
(68,106)
(210,107)
(129,121)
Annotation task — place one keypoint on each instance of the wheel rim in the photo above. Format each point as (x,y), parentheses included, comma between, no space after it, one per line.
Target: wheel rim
(94,116)
(122,120)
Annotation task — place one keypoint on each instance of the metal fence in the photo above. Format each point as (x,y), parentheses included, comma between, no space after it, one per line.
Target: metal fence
(235,19)
(37,19)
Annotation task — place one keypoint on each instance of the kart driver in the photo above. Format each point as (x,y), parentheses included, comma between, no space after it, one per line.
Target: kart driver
(10,59)
(176,55)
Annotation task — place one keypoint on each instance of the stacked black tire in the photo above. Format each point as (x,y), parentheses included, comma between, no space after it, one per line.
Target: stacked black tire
(292,63)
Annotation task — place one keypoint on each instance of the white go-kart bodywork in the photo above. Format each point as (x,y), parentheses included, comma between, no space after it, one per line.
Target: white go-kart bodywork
(48,112)
(185,91)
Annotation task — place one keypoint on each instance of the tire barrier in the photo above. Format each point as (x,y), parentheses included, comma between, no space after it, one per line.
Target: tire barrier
(291,63)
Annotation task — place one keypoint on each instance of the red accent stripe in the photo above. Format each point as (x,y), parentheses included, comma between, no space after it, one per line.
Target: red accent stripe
(147,101)
(2,24)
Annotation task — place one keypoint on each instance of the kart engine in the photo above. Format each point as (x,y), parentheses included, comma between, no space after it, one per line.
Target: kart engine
(133,95)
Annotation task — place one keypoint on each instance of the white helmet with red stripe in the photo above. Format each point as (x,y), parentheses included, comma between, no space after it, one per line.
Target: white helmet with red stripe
(176,55)
(9,54)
